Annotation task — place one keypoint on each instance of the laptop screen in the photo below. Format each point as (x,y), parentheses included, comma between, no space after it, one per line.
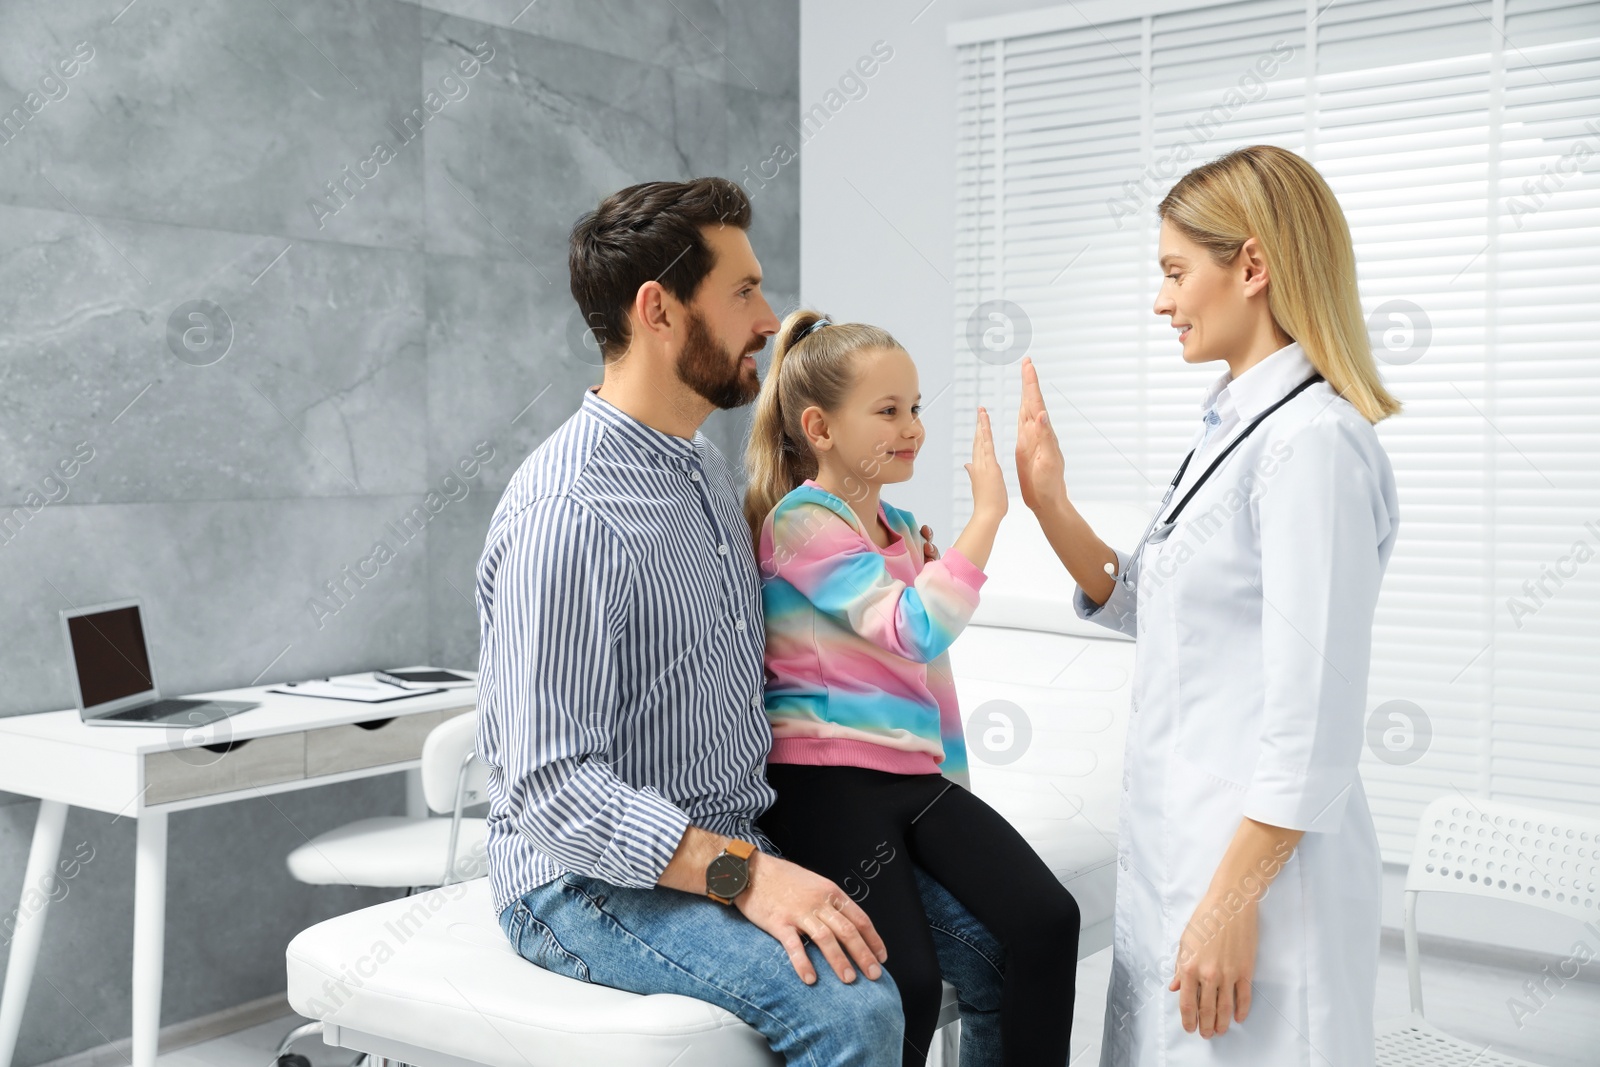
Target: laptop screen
(108,649)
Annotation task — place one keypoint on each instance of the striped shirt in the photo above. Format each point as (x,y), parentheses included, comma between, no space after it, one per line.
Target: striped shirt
(620,665)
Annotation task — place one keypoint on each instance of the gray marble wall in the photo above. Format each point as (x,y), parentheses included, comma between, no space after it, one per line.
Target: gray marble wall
(240,342)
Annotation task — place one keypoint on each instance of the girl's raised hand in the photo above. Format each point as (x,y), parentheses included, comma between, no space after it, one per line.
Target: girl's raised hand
(988,483)
(1041,470)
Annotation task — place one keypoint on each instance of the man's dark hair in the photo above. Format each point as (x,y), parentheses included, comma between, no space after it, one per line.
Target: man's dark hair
(644,232)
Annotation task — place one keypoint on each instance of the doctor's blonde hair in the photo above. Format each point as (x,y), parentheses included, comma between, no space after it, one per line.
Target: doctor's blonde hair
(1278,198)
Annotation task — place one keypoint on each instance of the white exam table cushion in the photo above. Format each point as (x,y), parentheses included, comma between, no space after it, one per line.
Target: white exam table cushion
(435,972)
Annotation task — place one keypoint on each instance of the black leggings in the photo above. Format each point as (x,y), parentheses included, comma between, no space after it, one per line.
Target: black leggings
(859,827)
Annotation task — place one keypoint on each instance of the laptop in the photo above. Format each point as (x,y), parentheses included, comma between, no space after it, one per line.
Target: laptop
(112,677)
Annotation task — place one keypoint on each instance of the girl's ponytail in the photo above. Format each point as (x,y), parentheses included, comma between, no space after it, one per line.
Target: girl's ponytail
(772,465)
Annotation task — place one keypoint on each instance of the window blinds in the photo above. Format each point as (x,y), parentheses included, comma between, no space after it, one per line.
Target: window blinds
(1463,141)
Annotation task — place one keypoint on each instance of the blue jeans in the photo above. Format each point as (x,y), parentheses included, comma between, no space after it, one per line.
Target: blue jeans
(664,941)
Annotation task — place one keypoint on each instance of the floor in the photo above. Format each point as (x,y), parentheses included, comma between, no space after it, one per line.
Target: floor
(1471,1001)
(1467,1000)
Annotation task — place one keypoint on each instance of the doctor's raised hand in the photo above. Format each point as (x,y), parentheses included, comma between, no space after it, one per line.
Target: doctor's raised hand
(1041,470)
(1041,476)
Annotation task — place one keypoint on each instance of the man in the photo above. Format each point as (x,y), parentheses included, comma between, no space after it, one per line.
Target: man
(620,684)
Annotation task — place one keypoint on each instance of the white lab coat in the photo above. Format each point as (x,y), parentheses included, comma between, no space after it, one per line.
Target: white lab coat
(1253,622)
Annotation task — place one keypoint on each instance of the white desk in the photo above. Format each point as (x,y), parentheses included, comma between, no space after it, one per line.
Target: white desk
(145,773)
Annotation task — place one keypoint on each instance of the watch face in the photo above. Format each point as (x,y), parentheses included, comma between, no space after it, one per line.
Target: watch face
(727,875)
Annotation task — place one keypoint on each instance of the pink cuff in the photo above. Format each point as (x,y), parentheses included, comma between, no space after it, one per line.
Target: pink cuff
(962,569)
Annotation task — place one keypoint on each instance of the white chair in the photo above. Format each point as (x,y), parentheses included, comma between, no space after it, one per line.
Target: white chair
(401,852)
(1485,848)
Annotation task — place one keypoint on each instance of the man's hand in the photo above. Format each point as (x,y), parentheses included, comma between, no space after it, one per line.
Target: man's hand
(786,900)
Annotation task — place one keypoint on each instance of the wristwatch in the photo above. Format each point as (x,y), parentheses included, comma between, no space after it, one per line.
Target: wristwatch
(729,873)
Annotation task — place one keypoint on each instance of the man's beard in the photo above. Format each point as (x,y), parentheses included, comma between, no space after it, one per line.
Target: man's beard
(707,368)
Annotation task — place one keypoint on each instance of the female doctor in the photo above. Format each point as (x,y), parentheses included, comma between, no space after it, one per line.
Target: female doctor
(1251,600)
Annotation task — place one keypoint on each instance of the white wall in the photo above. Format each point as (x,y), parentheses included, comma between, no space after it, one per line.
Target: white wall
(877,199)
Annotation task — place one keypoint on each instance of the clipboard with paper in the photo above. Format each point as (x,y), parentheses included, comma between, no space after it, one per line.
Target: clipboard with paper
(359,687)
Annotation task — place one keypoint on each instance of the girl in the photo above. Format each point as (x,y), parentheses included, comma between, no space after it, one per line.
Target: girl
(1251,601)
(867,748)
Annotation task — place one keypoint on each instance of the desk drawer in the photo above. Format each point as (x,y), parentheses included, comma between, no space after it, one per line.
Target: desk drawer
(379,740)
(199,772)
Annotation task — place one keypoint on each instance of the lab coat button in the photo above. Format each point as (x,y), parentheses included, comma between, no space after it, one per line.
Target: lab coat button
(1123,862)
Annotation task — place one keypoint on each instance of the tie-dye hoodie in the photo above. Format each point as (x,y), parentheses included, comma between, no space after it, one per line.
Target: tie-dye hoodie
(857,672)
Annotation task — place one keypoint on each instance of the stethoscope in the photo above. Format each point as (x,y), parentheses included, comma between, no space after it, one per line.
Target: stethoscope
(1160,529)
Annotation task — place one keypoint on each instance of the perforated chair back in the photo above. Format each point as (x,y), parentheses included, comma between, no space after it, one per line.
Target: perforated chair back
(1488,848)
